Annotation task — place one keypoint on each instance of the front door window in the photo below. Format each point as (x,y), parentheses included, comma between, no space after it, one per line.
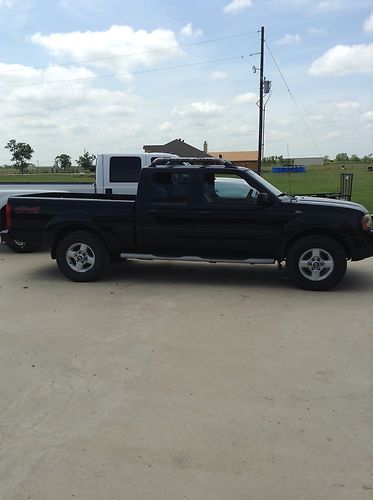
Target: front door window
(222,189)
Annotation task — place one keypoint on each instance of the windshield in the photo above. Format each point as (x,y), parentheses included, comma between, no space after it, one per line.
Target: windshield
(265,183)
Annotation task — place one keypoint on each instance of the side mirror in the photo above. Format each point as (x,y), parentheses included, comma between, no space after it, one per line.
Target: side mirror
(263,199)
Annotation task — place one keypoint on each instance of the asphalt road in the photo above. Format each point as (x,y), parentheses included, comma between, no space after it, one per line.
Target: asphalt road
(194,381)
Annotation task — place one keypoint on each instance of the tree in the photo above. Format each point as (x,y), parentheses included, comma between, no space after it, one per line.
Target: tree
(63,161)
(354,158)
(86,161)
(368,157)
(21,152)
(342,157)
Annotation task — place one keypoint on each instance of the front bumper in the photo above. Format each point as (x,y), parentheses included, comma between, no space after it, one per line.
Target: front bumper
(364,249)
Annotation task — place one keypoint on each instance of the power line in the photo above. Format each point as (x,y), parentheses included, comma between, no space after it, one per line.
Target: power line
(294,101)
(133,54)
(167,68)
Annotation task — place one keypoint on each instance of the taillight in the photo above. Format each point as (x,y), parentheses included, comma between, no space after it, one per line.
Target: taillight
(8,216)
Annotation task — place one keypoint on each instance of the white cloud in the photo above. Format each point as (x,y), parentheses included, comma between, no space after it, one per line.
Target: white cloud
(330,5)
(335,134)
(347,105)
(11,74)
(344,60)
(316,31)
(244,98)
(188,32)
(165,126)
(316,117)
(218,75)
(333,123)
(245,129)
(18,75)
(289,39)
(279,135)
(335,114)
(198,108)
(118,49)
(237,6)
(221,124)
(206,108)
(65,117)
(368,24)
(368,116)
(321,6)
(68,117)
(7,3)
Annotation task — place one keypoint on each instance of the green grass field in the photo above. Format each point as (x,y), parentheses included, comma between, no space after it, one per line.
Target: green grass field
(327,179)
(316,180)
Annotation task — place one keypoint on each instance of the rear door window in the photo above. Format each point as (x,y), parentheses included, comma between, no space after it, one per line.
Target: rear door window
(171,187)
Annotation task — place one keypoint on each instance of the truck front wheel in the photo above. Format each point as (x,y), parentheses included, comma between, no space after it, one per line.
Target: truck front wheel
(316,262)
(81,256)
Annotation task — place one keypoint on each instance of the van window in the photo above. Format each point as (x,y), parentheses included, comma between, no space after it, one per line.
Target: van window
(125,168)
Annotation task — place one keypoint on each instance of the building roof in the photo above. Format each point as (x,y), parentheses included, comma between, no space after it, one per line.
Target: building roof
(177,147)
(181,148)
(236,155)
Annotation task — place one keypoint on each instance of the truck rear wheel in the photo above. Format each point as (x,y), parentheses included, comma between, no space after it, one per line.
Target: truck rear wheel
(20,246)
(82,256)
(316,263)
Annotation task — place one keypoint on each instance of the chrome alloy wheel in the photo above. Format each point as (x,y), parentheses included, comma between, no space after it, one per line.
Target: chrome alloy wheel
(80,257)
(316,264)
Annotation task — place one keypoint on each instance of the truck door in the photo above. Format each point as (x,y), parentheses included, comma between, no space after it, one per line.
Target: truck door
(230,222)
(165,221)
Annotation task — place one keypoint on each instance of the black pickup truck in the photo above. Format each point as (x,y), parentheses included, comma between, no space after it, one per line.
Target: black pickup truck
(204,210)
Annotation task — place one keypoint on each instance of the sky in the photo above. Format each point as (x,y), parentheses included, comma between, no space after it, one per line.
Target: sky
(109,76)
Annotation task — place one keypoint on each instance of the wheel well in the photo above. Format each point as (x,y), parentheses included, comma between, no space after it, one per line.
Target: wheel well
(60,233)
(322,232)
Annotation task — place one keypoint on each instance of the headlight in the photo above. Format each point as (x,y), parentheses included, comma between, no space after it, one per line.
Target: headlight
(366,222)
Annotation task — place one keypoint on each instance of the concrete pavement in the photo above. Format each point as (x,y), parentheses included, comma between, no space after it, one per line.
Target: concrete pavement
(195,381)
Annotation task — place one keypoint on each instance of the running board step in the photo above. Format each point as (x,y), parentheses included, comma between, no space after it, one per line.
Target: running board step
(191,258)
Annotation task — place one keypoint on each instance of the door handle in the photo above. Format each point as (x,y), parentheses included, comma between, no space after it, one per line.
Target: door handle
(152,212)
(205,212)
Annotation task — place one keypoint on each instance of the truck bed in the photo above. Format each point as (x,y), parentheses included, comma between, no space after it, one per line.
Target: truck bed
(37,217)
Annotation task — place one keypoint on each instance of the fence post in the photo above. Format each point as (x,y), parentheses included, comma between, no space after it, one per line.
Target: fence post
(346,186)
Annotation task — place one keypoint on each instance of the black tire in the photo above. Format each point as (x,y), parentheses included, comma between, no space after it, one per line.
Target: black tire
(20,246)
(316,263)
(82,256)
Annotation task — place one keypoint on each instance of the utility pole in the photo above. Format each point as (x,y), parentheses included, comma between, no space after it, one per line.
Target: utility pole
(261,100)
